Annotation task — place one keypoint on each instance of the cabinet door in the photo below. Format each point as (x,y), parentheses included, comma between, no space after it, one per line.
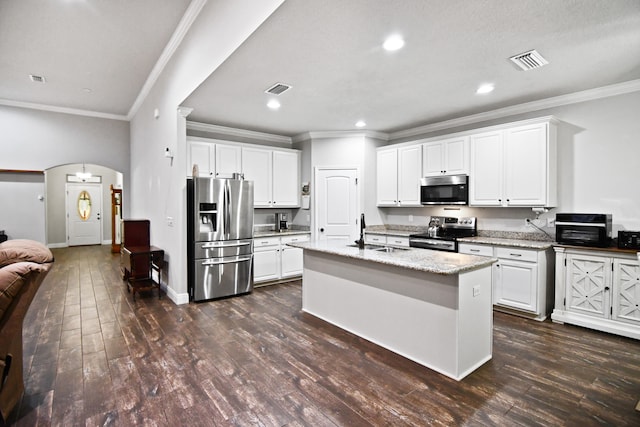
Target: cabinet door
(409,171)
(433,158)
(387,177)
(266,264)
(286,179)
(256,167)
(227,160)
(202,154)
(587,285)
(291,261)
(375,239)
(456,156)
(486,169)
(626,291)
(515,285)
(526,165)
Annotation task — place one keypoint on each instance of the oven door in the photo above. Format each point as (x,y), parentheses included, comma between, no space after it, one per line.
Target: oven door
(582,234)
(434,244)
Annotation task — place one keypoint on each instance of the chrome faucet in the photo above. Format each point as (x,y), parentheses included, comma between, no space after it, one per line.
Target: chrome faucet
(360,242)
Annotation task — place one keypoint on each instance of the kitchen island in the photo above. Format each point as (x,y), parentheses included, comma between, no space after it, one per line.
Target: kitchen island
(432,307)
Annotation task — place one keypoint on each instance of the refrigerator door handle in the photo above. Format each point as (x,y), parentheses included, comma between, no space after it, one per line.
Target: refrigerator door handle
(217,261)
(226,244)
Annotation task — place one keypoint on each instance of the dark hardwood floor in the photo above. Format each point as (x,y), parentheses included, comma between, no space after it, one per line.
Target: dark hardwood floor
(95,357)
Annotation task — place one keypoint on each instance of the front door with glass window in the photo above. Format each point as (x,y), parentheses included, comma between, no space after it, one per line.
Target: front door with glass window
(84,209)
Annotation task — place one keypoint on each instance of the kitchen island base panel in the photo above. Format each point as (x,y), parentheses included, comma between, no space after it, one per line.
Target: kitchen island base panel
(432,319)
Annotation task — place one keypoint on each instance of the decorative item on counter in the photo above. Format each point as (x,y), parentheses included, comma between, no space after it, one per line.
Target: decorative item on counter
(195,171)
(306,198)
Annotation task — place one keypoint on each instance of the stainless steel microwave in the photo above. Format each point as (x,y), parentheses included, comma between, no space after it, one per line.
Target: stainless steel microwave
(583,229)
(444,190)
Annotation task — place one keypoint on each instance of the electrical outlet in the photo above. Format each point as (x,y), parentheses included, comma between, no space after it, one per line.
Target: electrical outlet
(410,218)
(476,290)
(170,221)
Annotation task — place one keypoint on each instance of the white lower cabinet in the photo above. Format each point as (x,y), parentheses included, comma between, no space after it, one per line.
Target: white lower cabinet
(522,278)
(598,289)
(375,239)
(274,260)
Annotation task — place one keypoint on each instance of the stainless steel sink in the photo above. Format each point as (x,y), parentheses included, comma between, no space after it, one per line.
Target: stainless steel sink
(381,248)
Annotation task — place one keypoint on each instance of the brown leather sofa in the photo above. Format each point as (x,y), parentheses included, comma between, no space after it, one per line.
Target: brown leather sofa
(23,266)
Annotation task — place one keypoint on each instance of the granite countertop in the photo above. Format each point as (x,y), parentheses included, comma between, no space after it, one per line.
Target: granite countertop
(273,233)
(513,243)
(437,262)
(395,230)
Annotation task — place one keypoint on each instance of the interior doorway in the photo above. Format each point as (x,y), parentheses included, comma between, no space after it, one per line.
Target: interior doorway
(336,203)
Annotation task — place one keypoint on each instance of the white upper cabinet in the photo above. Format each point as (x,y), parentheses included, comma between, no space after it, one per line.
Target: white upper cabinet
(447,157)
(398,176)
(257,166)
(286,179)
(514,166)
(276,176)
(202,154)
(275,172)
(228,160)
(387,177)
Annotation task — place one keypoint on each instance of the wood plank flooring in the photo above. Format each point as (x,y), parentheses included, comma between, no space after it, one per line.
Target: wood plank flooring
(95,357)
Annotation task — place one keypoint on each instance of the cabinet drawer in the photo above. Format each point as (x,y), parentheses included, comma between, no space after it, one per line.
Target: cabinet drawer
(398,241)
(471,249)
(266,241)
(517,254)
(380,239)
(295,239)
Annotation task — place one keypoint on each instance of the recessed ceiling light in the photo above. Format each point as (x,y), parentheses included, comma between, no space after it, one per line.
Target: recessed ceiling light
(360,123)
(273,104)
(86,90)
(392,43)
(485,88)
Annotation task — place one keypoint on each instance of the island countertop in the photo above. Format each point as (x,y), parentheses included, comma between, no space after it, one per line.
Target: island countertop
(430,261)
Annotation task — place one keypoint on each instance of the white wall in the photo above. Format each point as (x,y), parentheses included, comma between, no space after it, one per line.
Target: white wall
(39,140)
(157,184)
(22,206)
(598,152)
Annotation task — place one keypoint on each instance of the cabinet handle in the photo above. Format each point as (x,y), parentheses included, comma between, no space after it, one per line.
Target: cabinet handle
(606,288)
(474,250)
(515,254)
(500,200)
(322,230)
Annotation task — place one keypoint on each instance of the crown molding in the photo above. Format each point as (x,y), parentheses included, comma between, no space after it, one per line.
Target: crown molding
(185,23)
(341,134)
(64,110)
(242,133)
(556,101)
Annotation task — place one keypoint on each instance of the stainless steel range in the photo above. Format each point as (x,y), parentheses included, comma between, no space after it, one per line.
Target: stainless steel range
(443,233)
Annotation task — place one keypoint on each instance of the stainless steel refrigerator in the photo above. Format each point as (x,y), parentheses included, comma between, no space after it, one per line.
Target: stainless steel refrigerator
(220,233)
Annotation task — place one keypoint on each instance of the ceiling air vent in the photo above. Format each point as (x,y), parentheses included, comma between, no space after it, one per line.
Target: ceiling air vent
(37,79)
(529,60)
(278,89)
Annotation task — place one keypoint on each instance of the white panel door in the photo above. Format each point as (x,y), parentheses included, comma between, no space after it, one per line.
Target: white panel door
(84,209)
(256,167)
(227,160)
(337,204)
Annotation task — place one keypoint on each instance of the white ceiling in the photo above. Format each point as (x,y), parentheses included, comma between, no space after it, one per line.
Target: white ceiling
(330,52)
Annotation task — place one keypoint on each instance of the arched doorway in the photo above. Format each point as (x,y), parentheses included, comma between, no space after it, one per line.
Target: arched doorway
(62,179)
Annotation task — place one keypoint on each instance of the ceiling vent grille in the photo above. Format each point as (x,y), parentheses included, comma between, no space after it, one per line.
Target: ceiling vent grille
(529,60)
(37,79)
(278,89)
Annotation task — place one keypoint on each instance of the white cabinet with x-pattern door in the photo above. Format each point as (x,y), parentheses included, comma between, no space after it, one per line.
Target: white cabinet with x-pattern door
(599,289)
